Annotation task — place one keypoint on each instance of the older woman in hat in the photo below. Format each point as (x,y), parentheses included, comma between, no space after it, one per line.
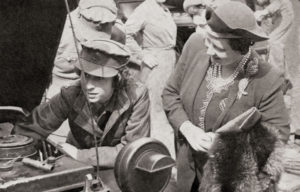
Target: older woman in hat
(119,106)
(216,79)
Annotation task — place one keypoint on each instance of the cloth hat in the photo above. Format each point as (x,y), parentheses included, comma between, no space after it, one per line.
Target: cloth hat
(91,14)
(233,20)
(102,11)
(103,57)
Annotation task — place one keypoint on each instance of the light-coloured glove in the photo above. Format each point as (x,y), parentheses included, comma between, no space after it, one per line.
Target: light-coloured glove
(197,138)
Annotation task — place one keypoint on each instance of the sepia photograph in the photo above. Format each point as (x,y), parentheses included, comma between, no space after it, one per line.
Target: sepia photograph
(150,96)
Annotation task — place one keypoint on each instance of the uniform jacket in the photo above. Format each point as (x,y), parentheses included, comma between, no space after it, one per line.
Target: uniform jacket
(124,119)
(155,26)
(264,93)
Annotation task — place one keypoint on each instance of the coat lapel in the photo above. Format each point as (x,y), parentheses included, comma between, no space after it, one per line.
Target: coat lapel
(83,118)
(193,82)
(121,105)
(232,96)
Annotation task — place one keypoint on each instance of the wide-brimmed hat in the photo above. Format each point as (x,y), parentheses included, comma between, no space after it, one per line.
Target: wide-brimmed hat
(92,13)
(233,20)
(103,57)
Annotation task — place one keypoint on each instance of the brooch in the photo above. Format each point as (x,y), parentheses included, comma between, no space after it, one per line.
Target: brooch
(242,86)
(250,70)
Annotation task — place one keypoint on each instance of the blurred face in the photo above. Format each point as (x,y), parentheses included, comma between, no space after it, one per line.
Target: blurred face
(220,51)
(99,89)
(262,2)
(160,1)
(198,13)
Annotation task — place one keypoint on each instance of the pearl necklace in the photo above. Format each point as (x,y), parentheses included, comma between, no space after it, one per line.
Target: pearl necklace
(218,83)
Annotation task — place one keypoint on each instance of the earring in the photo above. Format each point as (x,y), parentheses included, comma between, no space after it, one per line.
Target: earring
(120,80)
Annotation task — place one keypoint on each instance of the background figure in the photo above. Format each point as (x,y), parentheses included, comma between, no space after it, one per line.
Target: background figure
(276,20)
(92,19)
(152,23)
(197,9)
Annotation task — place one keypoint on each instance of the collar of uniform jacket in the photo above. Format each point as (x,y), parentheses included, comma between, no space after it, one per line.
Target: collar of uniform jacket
(117,106)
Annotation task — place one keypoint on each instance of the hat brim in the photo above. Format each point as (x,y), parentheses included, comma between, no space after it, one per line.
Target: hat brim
(96,70)
(222,27)
(90,34)
(221,35)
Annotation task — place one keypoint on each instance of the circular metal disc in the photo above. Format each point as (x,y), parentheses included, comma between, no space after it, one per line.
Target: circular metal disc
(4,167)
(131,179)
(14,141)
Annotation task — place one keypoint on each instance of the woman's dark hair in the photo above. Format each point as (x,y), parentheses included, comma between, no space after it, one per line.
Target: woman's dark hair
(242,45)
(77,71)
(121,79)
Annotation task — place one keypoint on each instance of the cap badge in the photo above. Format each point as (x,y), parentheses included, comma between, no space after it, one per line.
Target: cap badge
(99,27)
(96,56)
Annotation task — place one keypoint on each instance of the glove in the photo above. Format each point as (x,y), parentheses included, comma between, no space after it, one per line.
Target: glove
(196,137)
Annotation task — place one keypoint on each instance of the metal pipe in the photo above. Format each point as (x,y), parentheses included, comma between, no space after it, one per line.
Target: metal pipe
(38,164)
(49,150)
(85,93)
(45,150)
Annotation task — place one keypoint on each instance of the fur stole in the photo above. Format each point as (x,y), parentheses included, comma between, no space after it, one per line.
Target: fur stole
(244,162)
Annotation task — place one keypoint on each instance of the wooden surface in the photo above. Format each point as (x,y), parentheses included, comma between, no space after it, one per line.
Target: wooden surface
(68,173)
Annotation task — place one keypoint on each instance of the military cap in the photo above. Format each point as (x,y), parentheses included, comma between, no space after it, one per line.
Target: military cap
(103,57)
(233,20)
(93,13)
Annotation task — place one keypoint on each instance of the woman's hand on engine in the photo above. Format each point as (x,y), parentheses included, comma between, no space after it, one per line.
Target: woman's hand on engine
(197,138)
(150,60)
